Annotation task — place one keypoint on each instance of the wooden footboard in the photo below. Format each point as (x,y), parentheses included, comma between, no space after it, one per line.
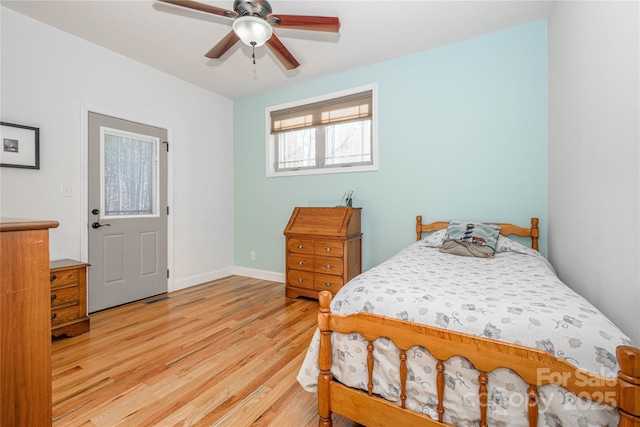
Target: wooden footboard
(536,367)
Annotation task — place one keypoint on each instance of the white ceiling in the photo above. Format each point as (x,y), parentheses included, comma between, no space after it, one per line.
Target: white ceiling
(174,39)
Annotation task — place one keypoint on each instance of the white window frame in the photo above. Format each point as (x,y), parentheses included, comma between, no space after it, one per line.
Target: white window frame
(270,139)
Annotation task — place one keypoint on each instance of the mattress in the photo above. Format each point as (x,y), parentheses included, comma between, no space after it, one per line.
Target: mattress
(514,297)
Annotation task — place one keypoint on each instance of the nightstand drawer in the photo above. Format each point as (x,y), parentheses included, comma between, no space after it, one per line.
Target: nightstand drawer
(65,314)
(64,296)
(68,297)
(62,278)
(325,282)
(329,248)
(300,246)
(328,265)
(300,262)
(300,279)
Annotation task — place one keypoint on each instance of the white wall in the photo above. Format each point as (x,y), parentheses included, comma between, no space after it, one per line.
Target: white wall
(48,76)
(594,187)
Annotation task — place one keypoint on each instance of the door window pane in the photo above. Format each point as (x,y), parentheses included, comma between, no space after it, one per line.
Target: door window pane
(129,175)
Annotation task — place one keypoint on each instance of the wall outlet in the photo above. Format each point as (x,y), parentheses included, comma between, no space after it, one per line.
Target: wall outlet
(252,255)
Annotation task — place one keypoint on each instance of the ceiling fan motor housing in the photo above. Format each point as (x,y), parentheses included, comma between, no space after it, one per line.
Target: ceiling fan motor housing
(258,8)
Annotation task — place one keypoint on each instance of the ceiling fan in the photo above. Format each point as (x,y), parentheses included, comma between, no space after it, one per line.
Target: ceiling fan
(253,23)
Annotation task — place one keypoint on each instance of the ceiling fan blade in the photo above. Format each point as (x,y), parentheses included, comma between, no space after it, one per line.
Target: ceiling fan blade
(311,23)
(203,7)
(275,45)
(223,45)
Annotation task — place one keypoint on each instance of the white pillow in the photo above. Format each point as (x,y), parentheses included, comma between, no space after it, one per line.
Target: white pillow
(435,239)
(506,244)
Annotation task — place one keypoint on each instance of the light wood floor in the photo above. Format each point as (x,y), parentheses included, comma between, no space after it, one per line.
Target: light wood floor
(225,353)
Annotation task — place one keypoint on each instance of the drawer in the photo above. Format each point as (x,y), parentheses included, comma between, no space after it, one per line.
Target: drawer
(300,262)
(328,265)
(325,282)
(300,246)
(65,277)
(65,314)
(64,296)
(300,279)
(329,248)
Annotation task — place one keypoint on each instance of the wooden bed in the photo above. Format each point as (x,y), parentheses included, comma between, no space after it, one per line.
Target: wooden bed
(484,353)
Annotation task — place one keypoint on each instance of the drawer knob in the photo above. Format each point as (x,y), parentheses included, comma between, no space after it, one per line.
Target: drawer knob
(328,285)
(327,266)
(300,262)
(300,246)
(53,277)
(327,249)
(54,296)
(54,315)
(300,280)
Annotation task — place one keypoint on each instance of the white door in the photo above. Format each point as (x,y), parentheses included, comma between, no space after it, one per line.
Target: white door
(127,186)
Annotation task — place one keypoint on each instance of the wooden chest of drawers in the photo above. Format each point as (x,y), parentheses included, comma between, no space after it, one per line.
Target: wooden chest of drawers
(68,298)
(323,250)
(25,343)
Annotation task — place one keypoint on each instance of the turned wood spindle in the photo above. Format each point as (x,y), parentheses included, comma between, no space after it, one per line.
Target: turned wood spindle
(403,378)
(324,361)
(629,386)
(483,395)
(440,386)
(370,361)
(532,406)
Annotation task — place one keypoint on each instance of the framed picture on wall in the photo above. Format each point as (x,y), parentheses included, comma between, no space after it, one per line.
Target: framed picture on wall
(19,146)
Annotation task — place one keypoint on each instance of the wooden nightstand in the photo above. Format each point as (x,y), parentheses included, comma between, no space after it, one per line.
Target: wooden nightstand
(323,250)
(69,298)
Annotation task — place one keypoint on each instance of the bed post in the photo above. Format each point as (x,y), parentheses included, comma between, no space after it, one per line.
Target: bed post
(535,233)
(629,386)
(324,361)
(419,227)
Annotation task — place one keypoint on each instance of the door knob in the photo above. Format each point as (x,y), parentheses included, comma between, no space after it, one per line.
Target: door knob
(98,225)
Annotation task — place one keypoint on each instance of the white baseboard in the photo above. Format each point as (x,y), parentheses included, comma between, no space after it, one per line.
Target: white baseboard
(215,275)
(203,278)
(259,274)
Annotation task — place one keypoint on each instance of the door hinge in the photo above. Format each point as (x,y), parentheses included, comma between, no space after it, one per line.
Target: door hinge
(167,273)
(167,143)
(167,210)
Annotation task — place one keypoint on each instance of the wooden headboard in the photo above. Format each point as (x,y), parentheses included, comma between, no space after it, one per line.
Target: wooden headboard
(505,229)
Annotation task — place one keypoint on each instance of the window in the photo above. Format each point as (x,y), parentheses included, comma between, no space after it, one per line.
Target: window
(129,174)
(335,133)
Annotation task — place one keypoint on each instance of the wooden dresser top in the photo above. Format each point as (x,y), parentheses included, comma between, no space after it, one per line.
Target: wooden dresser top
(20,224)
(67,263)
(338,221)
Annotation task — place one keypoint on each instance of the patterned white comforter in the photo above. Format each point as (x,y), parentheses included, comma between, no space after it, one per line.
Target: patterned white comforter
(515,297)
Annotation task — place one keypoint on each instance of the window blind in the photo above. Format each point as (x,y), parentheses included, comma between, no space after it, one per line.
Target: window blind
(356,106)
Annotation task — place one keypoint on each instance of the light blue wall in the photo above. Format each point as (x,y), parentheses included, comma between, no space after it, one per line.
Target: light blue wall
(462,134)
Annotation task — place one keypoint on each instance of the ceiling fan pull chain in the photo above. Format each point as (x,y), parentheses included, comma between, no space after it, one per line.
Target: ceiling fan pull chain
(253,55)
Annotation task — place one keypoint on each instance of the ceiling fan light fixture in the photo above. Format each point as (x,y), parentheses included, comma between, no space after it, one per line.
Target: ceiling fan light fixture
(252,31)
